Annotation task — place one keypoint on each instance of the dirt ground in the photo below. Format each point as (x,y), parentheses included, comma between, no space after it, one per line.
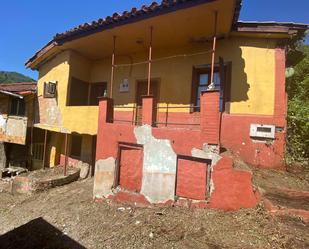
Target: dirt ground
(269,179)
(67,217)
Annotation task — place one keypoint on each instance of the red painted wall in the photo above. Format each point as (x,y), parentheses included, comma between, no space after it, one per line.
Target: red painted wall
(233,188)
(235,135)
(183,120)
(191,179)
(183,139)
(210,117)
(109,135)
(131,169)
(235,128)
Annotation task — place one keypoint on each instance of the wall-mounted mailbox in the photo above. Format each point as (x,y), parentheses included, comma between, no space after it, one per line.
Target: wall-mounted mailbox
(262,131)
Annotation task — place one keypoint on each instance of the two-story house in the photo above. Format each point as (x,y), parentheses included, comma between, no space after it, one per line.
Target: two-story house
(151,95)
(17,103)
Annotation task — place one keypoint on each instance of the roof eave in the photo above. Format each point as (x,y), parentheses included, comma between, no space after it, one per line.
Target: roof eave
(50,45)
(272,27)
(135,15)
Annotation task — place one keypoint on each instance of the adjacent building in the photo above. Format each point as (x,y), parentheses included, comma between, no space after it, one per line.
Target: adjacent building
(17,111)
(153,96)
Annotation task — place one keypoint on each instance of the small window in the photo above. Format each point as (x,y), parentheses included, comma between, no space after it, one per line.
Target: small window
(76,146)
(17,107)
(50,89)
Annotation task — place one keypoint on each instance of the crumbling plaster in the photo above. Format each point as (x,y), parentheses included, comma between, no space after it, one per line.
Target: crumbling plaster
(13,129)
(104,177)
(159,166)
(2,123)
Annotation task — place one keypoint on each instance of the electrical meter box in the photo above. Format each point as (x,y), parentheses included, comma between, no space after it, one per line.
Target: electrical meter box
(262,131)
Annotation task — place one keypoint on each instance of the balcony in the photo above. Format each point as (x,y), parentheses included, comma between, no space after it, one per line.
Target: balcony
(163,116)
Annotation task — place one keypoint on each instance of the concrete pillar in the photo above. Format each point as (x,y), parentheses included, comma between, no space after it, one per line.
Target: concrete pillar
(106,110)
(210,116)
(148,111)
(2,156)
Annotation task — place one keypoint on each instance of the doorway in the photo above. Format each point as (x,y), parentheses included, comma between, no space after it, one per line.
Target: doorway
(130,167)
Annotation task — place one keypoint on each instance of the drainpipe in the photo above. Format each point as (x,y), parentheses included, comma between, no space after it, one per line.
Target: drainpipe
(149,61)
(212,84)
(213,52)
(113,67)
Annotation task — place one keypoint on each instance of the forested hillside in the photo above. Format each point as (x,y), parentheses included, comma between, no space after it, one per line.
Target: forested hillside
(13,77)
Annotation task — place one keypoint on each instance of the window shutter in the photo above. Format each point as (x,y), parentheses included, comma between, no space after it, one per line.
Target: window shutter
(50,89)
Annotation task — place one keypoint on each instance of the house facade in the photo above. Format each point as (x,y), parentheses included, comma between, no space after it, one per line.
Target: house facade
(153,96)
(17,103)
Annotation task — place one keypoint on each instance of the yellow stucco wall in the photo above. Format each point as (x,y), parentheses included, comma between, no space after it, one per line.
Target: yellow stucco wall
(56,69)
(253,74)
(252,90)
(55,142)
(81,119)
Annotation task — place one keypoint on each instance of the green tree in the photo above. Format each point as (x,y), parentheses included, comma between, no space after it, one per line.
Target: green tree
(298,110)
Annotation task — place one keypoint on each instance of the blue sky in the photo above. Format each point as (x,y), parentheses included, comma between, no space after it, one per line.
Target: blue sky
(27,25)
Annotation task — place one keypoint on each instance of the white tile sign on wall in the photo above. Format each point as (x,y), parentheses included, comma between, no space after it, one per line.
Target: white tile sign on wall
(124,86)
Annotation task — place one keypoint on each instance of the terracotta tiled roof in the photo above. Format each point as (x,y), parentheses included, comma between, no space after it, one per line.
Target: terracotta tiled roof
(134,14)
(19,87)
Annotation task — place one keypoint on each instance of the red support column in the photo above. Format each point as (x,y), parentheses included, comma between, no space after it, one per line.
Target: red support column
(148,112)
(106,110)
(210,116)
(106,115)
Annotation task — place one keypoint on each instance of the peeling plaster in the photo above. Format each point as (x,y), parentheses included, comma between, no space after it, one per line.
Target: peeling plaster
(49,112)
(159,166)
(208,152)
(17,126)
(13,129)
(2,123)
(104,177)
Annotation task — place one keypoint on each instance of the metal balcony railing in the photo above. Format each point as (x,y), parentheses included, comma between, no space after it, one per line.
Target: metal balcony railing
(128,114)
(174,116)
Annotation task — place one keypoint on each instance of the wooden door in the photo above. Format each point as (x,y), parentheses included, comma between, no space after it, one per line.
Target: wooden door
(141,90)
